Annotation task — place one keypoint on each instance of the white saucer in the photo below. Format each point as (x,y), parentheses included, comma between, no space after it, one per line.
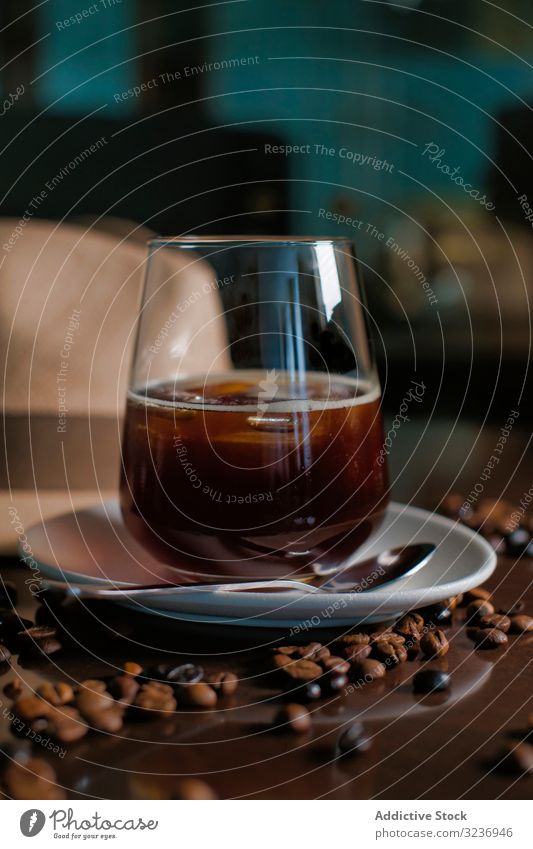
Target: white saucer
(93,545)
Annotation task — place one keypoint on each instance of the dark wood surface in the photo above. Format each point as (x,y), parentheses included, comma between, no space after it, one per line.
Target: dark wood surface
(441,746)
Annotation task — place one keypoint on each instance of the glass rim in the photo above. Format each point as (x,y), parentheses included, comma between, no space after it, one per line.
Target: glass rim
(246,240)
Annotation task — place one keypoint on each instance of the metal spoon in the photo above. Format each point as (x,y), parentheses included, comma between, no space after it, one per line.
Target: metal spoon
(376,571)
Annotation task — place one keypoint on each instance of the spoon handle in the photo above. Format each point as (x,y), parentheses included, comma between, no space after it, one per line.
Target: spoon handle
(112,591)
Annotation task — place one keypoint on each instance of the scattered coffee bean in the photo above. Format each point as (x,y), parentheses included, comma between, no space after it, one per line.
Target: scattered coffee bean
(517,607)
(288,650)
(56,694)
(13,689)
(356,651)
(521,624)
(296,717)
(302,670)
(8,594)
(65,724)
(279,661)
(438,614)
(133,668)
(157,697)
(489,638)
(517,542)
(5,654)
(198,695)
(124,688)
(334,682)
(48,646)
(389,653)
(517,758)
(431,681)
(31,707)
(476,594)
(11,624)
(223,683)
(336,663)
(31,779)
(410,626)
(367,670)
(187,673)
(478,609)
(357,639)
(434,644)
(194,790)
(497,620)
(354,741)
(310,691)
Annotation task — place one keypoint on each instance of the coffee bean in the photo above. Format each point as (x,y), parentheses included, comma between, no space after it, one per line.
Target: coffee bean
(36,633)
(410,626)
(48,646)
(314,651)
(56,694)
(517,542)
(431,681)
(476,610)
(389,653)
(64,724)
(354,741)
(158,698)
(336,663)
(356,652)
(32,779)
(5,654)
(132,668)
(187,673)
(517,607)
(124,688)
(521,624)
(31,707)
(476,594)
(489,638)
(302,670)
(517,758)
(437,614)
(198,695)
(368,670)
(194,790)
(8,594)
(288,650)
(434,644)
(279,661)
(357,639)
(296,717)
(310,691)
(502,623)
(223,683)
(11,624)
(334,682)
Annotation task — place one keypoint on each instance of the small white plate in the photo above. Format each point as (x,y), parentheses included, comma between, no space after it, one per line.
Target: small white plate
(93,545)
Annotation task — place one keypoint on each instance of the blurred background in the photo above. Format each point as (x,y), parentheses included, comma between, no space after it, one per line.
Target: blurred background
(405,126)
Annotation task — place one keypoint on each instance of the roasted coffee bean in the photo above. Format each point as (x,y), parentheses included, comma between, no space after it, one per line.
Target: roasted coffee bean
(90,701)
(48,646)
(517,607)
(434,644)
(279,661)
(133,668)
(517,542)
(476,610)
(334,682)
(198,695)
(56,694)
(389,653)
(521,624)
(8,594)
(410,626)
(437,614)
(517,758)
(356,652)
(296,717)
(452,506)
(357,639)
(310,691)
(314,651)
(31,707)
(31,779)
(454,601)
(302,670)
(95,684)
(354,741)
(336,663)
(157,697)
(288,650)
(11,624)
(124,688)
(5,654)
(368,670)
(35,634)
(13,689)
(489,638)
(194,790)
(476,594)
(223,683)
(431,681)
(187,673)
(387,637)
(64,724)
(502,623)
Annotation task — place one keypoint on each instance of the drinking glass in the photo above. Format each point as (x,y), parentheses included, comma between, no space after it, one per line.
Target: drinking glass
(253,441)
